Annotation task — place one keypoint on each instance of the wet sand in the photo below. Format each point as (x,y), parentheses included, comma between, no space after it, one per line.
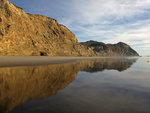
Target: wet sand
(10,61)
(13,61)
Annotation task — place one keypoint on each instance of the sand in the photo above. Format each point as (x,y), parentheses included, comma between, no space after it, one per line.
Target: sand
(11,61)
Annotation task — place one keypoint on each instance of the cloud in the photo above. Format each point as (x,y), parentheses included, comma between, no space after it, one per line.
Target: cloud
(91,11)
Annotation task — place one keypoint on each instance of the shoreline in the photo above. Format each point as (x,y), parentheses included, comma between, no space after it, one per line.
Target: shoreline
(15,61)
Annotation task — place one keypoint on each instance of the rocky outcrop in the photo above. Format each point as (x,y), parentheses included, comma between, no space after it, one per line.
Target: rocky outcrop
(28,35)
(119,49)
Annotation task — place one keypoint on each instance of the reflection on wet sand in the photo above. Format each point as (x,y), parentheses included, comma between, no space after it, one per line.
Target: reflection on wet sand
(19,84)
(120,64)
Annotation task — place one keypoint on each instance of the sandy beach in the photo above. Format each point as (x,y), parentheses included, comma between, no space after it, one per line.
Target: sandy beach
(11,61)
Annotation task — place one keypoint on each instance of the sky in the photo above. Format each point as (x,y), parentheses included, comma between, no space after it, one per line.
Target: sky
(108,21)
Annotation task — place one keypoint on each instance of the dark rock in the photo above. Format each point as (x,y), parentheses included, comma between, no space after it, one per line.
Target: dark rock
(119,49)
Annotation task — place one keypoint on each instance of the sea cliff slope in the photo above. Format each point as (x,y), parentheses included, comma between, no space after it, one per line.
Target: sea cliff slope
(23,34)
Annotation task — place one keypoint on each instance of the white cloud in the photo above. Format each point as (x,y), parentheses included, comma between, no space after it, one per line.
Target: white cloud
(92,11)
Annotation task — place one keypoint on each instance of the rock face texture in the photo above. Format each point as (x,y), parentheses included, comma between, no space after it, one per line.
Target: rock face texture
(119,49)
(28,35)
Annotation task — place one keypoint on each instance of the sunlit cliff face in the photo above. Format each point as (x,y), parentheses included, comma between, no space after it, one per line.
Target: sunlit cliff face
(23,34)
(20,84)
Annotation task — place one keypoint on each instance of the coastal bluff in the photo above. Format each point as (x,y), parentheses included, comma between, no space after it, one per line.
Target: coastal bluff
(23,34)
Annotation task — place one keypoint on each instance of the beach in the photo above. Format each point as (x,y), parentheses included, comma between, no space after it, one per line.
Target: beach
(12,61)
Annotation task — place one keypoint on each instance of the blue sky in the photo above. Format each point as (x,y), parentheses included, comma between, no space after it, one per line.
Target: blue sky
(108,21)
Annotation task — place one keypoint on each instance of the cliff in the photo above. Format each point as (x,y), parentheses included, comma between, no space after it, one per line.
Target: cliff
(119,49)
(29,35)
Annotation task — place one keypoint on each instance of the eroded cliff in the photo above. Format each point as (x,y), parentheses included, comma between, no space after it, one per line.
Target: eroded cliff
(28,35)
(119,49)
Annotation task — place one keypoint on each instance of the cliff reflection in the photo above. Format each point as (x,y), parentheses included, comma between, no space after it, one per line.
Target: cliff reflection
(19,84)
(119,64)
